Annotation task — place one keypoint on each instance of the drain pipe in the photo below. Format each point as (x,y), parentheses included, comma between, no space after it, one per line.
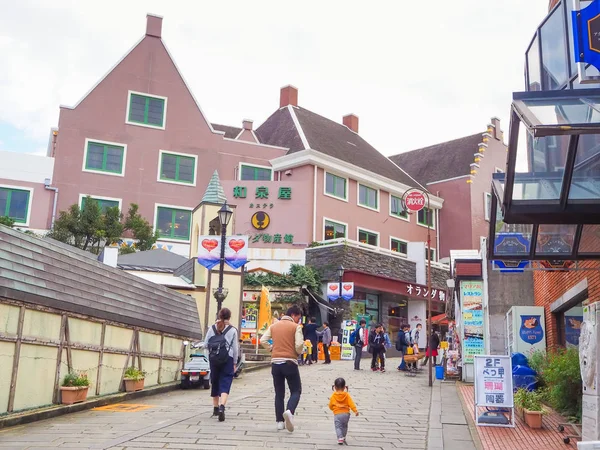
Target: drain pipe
(55,189)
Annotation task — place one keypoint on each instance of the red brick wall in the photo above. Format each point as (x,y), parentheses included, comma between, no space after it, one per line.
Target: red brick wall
(549,286)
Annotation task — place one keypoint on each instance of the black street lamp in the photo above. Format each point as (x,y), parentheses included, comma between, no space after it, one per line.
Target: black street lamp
(340,274)
(225,214)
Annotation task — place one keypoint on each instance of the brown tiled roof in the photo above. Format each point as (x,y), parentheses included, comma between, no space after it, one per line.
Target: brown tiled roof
(441,161)
(328,137)
(37,271)
(230,132)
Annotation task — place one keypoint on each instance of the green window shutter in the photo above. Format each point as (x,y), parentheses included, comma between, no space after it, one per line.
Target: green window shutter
(104,157)
(14,203)
(173,223)
(146,110)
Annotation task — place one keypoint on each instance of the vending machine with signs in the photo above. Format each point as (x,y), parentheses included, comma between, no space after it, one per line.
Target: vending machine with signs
(588,363)
(526,329)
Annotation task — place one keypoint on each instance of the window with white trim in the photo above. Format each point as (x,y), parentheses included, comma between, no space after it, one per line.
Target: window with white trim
(14,204)
(146,110)
(431,253)
(399,246)
(396,208)
(173,223)
(367,197)
(335,186)
(366,237)
(249,173)
(426,217)
(487,205)
(103,203)
(177,168)
(334,230)
(102,157)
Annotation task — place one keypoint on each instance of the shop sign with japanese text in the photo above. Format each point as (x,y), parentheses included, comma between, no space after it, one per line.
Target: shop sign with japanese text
(471,296)
(493,381)
(414,290)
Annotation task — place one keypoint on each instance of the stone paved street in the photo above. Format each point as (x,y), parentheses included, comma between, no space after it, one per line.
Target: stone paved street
(395,412)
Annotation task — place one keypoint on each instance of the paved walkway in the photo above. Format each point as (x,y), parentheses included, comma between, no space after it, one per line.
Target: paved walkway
(521,437)
(395,413)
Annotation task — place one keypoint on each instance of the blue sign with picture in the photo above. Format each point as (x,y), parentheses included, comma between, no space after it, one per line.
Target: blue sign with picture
(572,329)
(586,34)
(531,329)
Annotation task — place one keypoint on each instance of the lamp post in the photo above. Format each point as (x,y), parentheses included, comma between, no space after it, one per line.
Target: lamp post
(225,214)
(340,274)
(416,207)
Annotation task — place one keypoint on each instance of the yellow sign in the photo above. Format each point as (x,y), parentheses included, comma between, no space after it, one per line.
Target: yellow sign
(123,407)
(260,220)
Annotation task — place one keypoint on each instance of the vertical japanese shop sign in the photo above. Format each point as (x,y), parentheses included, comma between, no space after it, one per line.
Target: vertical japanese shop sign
(493,385)
(471,295)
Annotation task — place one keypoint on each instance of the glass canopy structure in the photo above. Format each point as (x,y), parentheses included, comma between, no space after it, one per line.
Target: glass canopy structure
(546,206)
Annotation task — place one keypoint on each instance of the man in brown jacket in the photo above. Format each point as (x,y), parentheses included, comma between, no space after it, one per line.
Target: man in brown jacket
(288,341)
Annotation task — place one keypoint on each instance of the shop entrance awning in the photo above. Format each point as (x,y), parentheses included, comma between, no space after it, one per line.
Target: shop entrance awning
(546,206)
(440,319)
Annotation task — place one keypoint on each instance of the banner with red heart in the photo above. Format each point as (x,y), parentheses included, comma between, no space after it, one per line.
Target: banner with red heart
(333,291)
(236,251)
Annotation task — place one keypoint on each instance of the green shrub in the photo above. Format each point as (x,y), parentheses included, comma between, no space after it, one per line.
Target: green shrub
(531,401)
(558,372)
(75,380)
(134,374)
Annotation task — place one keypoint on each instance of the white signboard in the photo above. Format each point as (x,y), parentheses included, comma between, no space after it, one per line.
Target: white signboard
(493,387)
(348,326)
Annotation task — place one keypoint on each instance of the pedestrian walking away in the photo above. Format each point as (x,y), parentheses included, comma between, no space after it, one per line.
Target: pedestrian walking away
(403,344)
(377,348)
(287,344)
(222,344)
(359,342)
(432,349)
(326,335)
(310,334)
(341,403)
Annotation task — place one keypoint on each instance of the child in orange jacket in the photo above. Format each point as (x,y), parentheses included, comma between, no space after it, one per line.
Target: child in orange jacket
(341,403)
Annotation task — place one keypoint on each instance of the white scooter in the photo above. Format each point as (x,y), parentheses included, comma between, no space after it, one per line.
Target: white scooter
(196,371)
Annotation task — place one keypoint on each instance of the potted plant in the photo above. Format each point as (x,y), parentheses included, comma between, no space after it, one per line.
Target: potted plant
(134,379)
(530,404)
(74,388)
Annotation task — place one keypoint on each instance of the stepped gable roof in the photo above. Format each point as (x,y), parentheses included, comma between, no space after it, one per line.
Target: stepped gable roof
(298,129)
(214,192)
(230,132)
(39,272)
(442,161)
(157,260)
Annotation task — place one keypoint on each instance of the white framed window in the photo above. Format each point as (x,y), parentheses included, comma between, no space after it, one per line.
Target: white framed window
(368,197)
(177,168)
(396,209)
(253,172)
(398,245)
(336,186)
(15,203)
(146,110)
(367,236)
(431,252)
(426,217)
(103,202)
(173,222)
(487,205)
(104,157)
(333,229)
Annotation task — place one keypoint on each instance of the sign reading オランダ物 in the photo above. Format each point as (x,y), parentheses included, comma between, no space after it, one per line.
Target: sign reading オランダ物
(493,385)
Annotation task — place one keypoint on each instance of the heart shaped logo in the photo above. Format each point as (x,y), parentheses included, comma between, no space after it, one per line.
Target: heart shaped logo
(237,244)
(347,287)
(333,287)
(210,244)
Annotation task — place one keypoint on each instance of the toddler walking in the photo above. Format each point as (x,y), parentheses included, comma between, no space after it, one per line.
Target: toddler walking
(341,403)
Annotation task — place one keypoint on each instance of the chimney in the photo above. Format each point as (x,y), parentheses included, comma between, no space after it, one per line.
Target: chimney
(153,25)
(497,133)
(247,124)
(288,96)
(109,256)
(351,121)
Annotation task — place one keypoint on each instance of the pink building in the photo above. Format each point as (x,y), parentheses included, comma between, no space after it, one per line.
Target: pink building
(460,171)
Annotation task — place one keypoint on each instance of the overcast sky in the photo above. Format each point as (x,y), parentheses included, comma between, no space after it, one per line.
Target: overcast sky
(415,72)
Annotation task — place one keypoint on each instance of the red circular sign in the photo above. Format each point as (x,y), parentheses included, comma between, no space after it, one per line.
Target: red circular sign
(415,201)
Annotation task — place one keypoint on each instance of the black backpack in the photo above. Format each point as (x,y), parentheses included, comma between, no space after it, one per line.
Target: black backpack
(218,347)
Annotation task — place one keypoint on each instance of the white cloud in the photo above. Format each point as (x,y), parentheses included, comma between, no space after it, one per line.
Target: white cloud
(416,73)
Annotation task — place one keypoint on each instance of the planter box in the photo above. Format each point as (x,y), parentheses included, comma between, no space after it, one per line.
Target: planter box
(133,385)
(70,395)
(533,419)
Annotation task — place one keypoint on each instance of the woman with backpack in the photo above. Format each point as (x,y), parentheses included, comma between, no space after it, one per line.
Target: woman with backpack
(222,345)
